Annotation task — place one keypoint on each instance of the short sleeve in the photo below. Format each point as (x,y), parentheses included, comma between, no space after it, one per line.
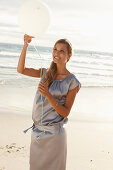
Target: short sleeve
(74,82)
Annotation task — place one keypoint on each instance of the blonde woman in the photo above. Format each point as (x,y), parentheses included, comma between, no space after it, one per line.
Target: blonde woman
(56,92)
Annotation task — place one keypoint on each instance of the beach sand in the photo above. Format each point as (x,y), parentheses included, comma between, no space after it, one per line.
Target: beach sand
(89,129)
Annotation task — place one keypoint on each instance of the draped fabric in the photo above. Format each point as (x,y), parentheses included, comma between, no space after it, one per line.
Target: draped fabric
(48,149)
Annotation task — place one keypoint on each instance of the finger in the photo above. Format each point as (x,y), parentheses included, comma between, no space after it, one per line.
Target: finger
(42,84)
(32,37)
(42,92)
(41,88)
(29,41)
(29,36)
(25,35)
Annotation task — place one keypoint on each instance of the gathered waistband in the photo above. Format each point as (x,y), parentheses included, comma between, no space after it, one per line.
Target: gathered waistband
(45,127)
(41,130)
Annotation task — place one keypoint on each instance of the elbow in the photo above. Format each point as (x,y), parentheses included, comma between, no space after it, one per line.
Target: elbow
(66,113)
(20,71)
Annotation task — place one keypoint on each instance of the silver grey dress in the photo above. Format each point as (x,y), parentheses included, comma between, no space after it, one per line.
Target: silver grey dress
(48,149)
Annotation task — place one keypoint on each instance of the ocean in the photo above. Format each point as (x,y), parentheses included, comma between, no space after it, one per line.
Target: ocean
(93,69)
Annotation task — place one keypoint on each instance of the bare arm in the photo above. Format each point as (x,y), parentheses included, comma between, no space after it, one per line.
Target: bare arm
(21,63)
(62,110)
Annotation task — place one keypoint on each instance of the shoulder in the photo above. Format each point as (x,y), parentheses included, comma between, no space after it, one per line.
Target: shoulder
(73,82)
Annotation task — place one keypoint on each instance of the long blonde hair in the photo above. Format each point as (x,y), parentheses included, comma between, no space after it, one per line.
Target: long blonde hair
(52,70)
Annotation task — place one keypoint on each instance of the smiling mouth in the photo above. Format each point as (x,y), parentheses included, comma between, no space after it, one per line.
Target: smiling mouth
(56,57)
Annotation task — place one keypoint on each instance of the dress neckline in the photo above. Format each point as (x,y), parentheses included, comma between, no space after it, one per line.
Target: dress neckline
(64,78)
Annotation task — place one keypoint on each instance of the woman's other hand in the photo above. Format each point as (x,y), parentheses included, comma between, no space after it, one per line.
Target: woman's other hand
(43,89)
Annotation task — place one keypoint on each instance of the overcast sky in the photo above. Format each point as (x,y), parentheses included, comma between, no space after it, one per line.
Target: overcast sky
(88,24)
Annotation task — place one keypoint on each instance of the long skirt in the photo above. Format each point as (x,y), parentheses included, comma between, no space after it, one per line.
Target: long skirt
(48,151)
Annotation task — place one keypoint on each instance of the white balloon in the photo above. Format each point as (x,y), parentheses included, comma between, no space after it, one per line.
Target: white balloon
(34,18)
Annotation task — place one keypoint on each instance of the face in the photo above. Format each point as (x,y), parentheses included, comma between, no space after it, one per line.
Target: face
(60,53)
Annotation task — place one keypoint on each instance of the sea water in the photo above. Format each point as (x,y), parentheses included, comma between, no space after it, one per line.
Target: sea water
(93,69)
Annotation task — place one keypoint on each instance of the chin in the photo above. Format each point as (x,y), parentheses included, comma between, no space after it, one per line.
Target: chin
(55,61)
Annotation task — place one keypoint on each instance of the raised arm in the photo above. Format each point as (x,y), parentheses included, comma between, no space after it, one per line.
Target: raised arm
(21,63)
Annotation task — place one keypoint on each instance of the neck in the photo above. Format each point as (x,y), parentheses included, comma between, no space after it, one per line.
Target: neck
(61,70)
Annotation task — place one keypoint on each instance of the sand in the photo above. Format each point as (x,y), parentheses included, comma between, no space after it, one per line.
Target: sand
(89,129)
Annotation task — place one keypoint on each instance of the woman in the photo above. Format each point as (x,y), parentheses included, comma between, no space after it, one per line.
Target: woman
(52,104)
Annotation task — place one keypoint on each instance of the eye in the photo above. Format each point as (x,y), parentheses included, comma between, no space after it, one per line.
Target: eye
(62,51)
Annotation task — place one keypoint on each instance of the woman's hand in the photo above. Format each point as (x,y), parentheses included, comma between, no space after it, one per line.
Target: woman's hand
(27,39)
(43,89)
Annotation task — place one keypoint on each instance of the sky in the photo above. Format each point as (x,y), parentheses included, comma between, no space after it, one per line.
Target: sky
(87,24)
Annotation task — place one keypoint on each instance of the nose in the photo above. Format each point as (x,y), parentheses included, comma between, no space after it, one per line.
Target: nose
(56,52)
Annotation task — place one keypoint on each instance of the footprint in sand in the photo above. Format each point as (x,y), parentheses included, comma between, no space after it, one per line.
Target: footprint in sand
(13,148)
